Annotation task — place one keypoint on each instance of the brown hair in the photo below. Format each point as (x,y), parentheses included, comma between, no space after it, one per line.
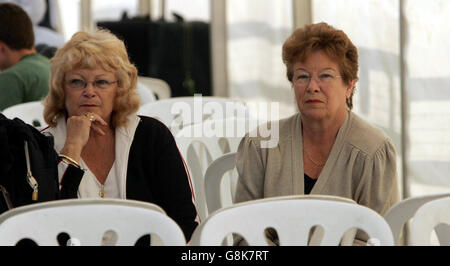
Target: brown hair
(322,37)
(90,50)
(16,28)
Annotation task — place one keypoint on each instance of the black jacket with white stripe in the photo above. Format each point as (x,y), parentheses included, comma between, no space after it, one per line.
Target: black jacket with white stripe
(155,173)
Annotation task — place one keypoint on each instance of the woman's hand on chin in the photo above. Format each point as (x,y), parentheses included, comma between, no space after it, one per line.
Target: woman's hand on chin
(78,131)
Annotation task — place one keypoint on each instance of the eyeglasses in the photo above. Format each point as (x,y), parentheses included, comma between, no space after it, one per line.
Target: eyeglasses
(78,84)
(303,79)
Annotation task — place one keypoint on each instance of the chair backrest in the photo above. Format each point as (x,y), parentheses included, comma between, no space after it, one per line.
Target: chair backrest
(159,87)
(178,112)
(219,192)
(201,144)
(399,214)
(198,153)
(293,221)
(90,222)
(145,93)
(220,188)
(30,113)
(427,217)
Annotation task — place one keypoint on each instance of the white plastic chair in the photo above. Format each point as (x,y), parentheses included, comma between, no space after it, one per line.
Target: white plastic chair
(159,87)
(198,154)
(30,113)
(430,215)
(316,235)
(220,194)
(402,212)
(145,93)
(89,222)
(201,144)
(178,112)
(293,221)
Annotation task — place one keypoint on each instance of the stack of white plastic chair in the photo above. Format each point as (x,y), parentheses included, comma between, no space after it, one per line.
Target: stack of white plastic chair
(90,222)
(201,144)
(31,113)
(295,221)
(402,212)
(181,114)
(428,217)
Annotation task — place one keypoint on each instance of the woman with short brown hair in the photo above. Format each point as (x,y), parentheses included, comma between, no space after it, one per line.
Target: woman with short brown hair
(325,148)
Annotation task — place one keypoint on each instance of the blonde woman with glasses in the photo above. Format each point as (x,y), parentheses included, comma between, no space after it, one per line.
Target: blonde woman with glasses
(325,148)
(105,149)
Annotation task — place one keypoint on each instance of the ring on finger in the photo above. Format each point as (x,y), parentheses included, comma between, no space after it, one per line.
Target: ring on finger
(90,116)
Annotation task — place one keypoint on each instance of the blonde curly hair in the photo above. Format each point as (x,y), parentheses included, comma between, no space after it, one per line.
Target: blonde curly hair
(99,48)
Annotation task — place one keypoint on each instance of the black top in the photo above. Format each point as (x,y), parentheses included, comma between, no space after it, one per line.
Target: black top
(309,184)
(156,174)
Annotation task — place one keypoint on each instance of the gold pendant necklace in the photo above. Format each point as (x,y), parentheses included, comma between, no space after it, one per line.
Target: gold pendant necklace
(101,193)
(309,157)
(317,165)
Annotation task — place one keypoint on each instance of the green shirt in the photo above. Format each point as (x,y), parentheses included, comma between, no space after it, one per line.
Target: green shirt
(26,81)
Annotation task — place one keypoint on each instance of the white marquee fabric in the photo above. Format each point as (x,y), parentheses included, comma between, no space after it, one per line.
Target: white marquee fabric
(256,31)
(428,87)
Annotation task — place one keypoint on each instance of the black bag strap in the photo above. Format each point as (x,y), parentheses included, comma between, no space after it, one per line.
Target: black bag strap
(6,197)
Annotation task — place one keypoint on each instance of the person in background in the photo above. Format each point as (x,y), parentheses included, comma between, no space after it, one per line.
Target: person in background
(36,11)
(325,148)
(46,40)
(105,149)
(24,75)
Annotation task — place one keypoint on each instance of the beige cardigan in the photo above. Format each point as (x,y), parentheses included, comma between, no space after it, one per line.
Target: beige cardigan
(361,165)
